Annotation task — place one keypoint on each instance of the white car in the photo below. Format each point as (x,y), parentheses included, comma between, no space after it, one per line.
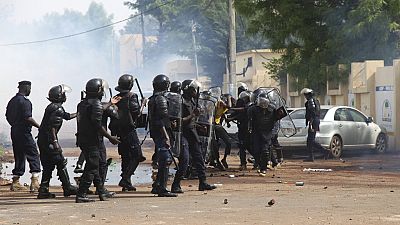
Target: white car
(341,128)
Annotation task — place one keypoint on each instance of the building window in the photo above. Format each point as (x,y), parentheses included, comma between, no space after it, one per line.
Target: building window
(249,61)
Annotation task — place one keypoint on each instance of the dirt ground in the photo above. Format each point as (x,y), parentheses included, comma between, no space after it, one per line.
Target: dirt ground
(363,189)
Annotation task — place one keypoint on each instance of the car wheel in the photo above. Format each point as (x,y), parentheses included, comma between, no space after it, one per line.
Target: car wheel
(381,143)
(336,146)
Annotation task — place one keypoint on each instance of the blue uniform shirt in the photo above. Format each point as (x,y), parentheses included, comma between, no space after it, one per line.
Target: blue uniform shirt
(19,108)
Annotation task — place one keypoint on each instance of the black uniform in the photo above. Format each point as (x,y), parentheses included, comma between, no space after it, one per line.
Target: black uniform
(90,115)
(159,119)
(129,149)
(190,133)
(261,124)
(50,156)
(243,131)
(19,108)
(313,109)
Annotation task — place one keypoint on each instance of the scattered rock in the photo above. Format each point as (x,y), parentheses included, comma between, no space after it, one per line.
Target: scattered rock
(190,185)
(211,175)
(299,183)
(350,219)
(204,193)
(231,176)
(225,201)
(280,181)
(391,191)
(93,215)
(271,202)
(325,187)
(278,177)
(277,190)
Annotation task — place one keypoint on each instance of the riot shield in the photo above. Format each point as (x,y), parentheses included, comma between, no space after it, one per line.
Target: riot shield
(205,123)
(287,126)
(175,115)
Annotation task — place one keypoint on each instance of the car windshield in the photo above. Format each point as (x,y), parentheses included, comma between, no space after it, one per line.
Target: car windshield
(301,114)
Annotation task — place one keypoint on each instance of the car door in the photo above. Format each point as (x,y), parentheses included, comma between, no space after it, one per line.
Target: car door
(364,130)
(344,126)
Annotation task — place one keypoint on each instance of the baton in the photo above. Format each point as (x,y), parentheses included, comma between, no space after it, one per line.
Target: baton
(198,96)
(173,158)
(140,90)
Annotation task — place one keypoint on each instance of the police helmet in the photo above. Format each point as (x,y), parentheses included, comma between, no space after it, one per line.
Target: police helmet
(263,101)
(96,87)
(57,93)
(161,83)
(255,94)
(242,87)
(307,92)
(245,96)
(176,87)
(190,85)
(125,83)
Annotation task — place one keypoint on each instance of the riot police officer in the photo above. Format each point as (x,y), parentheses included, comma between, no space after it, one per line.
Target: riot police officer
(50,150)
(242,87)
(176,87)
(261,122)
(313,109)
(19,116)
(160,131)
(189,113)
(90,133)
(125,128)
(240,115)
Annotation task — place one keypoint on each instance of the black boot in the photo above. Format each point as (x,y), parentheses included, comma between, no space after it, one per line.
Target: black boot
(103,193)
(83,198)
(204,186)
(176,186)
(68,188)
(126,184)
(163,178)
(44,191)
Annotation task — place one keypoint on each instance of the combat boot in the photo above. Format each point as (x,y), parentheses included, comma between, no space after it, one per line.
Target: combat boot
(34,184)
(83,198)
(68,188)
(103,194)
(126,185)
(204,186)
(16,186)
(163,178)
(44,191)
(176,186)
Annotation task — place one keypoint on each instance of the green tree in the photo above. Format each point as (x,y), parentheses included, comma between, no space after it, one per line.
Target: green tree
(212,27)
(315,34)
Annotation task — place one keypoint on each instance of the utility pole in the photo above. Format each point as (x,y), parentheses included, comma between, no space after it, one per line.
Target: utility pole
(143,34)
(195,48)
(232,49)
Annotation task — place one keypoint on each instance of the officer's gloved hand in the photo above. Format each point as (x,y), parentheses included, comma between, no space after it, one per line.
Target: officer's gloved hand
(114,140)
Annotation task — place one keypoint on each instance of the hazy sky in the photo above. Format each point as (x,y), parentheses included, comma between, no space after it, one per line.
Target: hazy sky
(28,10)
(41,63)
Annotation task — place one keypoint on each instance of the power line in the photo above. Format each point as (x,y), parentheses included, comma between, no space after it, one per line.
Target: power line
(84,32)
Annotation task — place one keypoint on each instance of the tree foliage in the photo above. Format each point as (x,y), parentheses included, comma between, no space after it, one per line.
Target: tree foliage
(212,29)
(318,33)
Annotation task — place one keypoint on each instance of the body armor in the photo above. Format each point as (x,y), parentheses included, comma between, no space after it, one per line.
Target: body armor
(89,119)
(158,112)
